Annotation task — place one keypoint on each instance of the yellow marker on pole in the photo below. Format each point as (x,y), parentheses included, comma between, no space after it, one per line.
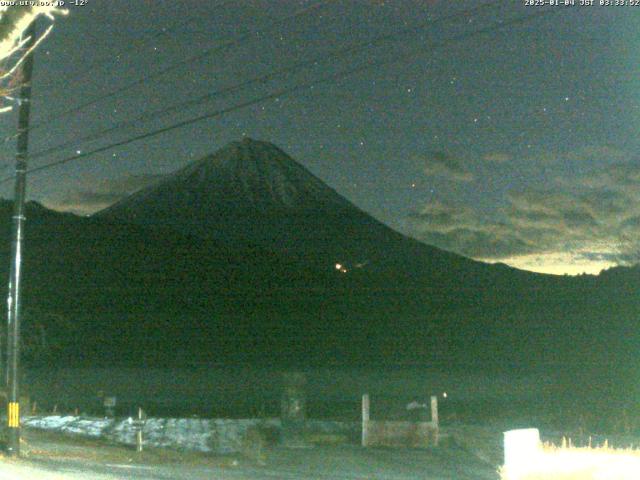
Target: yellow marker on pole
(13,415)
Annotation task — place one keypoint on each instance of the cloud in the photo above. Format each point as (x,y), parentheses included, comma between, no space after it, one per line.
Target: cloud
(579,160)
(90,199)
(445,165)
(566,215)
(587,156)
(460,229)
(493,241)
(436,217)
(496,157)
(592,216)
(559,263)
(619,177)
(601,154)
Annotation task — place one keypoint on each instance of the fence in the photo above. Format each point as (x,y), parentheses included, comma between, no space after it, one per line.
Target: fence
(394,433)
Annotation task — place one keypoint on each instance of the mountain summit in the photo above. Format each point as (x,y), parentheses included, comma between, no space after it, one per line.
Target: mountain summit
(252,192)
(242,176)
(243,191)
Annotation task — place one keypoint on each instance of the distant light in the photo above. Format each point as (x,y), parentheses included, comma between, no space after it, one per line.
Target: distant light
(444,395)
(343,270)
(338,266)
(78,152)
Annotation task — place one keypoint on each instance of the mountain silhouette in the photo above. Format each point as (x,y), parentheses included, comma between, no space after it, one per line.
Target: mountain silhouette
(245,256)
(251,192)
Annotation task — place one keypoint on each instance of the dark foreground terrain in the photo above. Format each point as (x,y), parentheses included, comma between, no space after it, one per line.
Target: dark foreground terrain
(55,457)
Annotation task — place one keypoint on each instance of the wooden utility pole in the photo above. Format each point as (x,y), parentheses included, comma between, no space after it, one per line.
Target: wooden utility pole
(13,299)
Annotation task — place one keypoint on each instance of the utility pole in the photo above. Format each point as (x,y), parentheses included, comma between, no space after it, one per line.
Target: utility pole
(13,299)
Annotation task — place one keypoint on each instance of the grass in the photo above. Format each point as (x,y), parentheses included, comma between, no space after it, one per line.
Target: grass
(578,463)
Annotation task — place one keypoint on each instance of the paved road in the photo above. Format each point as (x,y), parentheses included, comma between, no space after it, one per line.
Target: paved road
(51,458)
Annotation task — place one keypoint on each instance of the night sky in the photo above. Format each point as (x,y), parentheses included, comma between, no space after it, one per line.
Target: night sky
(518,145)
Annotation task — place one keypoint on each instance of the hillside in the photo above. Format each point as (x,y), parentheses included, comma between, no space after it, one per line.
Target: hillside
(184,271)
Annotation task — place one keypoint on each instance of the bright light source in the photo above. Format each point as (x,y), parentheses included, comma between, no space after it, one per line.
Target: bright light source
(547,462)
(15,23)
(521,449)
(338,266)
(444,394)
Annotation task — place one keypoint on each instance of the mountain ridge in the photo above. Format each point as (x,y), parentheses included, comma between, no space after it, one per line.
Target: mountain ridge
(155,292)
(252,192)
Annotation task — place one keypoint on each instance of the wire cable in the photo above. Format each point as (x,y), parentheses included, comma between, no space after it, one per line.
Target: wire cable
(153,76)
(288,91)
(336,54)
(134,45)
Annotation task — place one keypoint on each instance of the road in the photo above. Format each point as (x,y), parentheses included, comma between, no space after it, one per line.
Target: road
(51,457)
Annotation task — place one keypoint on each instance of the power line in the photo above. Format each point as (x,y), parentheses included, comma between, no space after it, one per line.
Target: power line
(134,45)
(340,52)
(287,91)
(174,66)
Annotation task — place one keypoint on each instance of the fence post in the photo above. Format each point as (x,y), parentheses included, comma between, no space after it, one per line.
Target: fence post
(434,411)
(365,419)
(434,418)
(293,409)
(138,426)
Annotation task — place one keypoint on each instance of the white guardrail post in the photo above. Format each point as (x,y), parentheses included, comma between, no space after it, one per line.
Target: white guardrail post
(521,449)
(365,420)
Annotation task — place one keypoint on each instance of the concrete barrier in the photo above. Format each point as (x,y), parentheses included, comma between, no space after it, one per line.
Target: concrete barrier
(219,435)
